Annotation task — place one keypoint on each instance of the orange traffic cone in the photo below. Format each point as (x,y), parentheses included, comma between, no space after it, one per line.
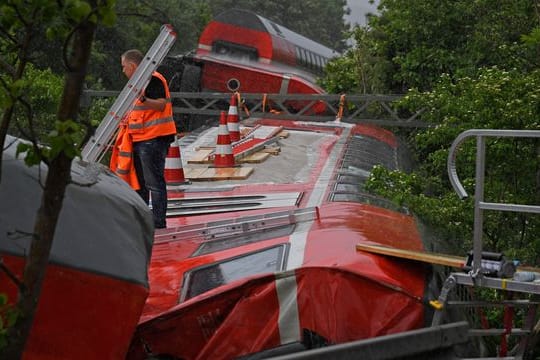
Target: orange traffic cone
(174,171)
(223,156)
(232,120)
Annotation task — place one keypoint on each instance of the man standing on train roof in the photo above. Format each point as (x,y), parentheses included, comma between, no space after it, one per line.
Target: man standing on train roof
(152,129)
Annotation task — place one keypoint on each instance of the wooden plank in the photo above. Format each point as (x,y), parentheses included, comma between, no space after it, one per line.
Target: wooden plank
(201,157)
(274,150)
(255,158)
(283,134)
(230,173)
(432,258)
(265,131)
(241,173)
(193,173)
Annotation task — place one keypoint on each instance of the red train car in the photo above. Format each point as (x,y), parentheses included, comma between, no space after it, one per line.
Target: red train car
(279,60)
(267,264)
(242,51)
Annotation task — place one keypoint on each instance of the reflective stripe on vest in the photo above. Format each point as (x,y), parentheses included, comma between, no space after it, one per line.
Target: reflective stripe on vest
(145,123)
(121,162)
(151,123)
(124,164)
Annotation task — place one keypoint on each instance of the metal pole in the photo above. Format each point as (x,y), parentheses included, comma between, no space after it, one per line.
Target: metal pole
(478,198)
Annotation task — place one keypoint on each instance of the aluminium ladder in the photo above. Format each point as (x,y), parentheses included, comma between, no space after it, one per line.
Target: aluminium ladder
(99,143)
(477,277)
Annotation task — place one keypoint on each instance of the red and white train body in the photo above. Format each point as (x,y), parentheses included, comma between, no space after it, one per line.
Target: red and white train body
(282,276)
(242,51)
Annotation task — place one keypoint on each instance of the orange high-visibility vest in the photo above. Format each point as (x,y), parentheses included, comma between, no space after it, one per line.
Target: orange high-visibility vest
(122,163)
(146,124)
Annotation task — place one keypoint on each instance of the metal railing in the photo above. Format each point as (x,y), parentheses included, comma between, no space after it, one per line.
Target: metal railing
(372,109)
(479,203)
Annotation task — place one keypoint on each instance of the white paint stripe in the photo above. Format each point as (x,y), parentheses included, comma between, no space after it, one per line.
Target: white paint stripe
(289,319)
(298,238)
(284,85)
(205,47)
(233,110)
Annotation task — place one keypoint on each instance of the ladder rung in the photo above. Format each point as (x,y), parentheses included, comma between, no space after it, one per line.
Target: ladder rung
(478,303)
(491,358)
(496,283)
(495,332)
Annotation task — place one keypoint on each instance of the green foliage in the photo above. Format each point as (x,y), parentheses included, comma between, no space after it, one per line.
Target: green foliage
(32,89)
(359,70)
(8,318)
(497,99)
(42,90)
(427,198)
(138,23)
(411,43)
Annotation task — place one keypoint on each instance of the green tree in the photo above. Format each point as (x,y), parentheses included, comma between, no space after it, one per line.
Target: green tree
(360,70)
(411,43)
(74,22)
(497,99)
(466,65)
(137,24)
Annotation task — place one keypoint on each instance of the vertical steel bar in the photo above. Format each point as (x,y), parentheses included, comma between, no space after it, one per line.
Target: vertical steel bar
(478,198)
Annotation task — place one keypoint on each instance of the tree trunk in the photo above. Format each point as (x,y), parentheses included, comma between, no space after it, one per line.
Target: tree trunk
(58,177)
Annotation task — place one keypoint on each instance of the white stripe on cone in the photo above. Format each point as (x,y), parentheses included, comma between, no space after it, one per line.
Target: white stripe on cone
(232,120)
(174,171)
(223,154)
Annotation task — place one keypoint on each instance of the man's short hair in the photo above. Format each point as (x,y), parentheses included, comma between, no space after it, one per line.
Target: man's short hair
(133,55)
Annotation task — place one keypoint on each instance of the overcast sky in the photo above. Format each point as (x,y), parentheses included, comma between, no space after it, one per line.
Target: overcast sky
(359,9)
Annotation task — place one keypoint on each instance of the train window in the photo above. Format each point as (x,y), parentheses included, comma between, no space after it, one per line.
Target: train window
(226,48)
(311,62)
(305,59)
(208,277)
(298,55)
(318,62)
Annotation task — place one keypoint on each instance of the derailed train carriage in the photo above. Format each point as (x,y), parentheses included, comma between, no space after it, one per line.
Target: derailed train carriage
(240,51)
(240,273)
